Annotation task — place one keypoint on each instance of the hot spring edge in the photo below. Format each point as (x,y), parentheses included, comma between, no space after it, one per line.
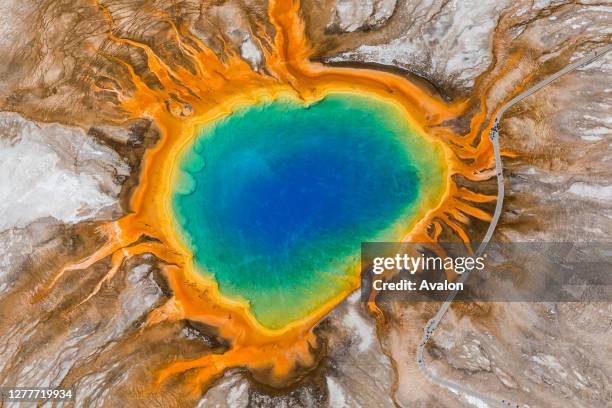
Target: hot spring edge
(274,200)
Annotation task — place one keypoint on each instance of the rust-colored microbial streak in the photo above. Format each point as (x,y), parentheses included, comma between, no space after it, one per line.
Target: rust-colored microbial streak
(214,88)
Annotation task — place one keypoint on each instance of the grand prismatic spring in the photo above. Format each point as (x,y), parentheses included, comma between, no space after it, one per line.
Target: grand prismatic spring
(264,183)
(276,199)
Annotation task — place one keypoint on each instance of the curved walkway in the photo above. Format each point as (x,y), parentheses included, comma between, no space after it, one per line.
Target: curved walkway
(494,136)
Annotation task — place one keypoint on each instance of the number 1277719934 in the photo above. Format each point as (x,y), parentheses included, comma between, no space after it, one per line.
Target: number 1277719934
(36,394)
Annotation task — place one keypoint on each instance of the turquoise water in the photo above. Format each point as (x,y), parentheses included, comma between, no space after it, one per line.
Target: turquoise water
(275,200)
